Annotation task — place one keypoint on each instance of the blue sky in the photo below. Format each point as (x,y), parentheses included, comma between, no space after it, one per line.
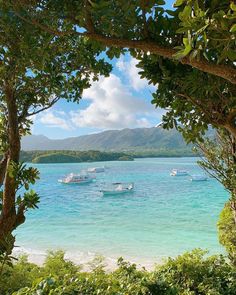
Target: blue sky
(122,100)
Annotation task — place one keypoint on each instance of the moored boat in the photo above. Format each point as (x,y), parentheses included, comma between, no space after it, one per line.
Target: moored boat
(96,169)
(178,172)
(198,178)
(76,179)
(118,188)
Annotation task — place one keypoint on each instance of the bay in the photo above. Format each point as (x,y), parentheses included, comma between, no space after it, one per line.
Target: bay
(164,216)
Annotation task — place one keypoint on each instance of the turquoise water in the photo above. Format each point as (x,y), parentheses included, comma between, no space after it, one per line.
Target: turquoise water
(163,217)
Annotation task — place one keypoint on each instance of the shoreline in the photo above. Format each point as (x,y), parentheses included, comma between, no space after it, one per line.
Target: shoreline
(85,259)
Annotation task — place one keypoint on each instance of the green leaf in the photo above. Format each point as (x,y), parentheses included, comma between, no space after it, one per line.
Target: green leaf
(233,28)
(186,41)
(185,14)
(171,12)
(231,55)
(233,6)
(182,53)
(205,55)
(161,2)
(178,3)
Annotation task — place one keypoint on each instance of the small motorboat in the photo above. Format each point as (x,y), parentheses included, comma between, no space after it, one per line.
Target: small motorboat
(76,179)
(118,188)
(198,178)
(96,170)
(178,172)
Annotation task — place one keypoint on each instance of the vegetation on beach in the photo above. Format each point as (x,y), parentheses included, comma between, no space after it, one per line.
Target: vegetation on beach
(189,274)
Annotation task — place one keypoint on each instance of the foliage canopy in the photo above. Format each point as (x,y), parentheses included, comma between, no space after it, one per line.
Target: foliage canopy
(189,52)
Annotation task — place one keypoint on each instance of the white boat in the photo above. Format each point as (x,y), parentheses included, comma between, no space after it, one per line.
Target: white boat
(198,178)
(178,172)
(118,188)
(76,179)
(96,169)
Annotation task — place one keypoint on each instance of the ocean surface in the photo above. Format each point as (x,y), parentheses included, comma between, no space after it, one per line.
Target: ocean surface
(164,216)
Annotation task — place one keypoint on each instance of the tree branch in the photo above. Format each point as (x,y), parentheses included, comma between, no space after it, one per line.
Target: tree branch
(203,109)
(20,216)
(89,22)
(44,108)
(226,72)
(223,71)
(26,114)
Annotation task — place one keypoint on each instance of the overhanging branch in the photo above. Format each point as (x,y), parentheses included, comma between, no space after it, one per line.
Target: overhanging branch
(226,72)
(223,71)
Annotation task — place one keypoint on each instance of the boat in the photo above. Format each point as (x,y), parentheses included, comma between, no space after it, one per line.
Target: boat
(76,179)
(96,169)
(178,172)
(118,188)
(198,178)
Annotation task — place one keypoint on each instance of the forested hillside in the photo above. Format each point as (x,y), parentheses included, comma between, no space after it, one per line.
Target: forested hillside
(139,139)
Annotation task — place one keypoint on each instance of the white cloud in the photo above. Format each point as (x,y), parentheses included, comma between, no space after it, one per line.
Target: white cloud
(112,106)
(129,69)
(54,119)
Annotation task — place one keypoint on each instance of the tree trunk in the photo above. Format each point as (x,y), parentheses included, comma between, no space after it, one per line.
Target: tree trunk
(233,199)
(3,167)
(8,216)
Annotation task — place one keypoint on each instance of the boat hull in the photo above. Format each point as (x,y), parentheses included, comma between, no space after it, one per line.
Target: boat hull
(107,193)
(199,179)
(96,170)
(178,174)
(75,182)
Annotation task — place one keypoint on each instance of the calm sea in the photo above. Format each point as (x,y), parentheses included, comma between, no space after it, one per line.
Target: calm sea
(163,217)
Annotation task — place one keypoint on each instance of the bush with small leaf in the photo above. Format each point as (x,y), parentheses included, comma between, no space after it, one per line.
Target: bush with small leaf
(193,273)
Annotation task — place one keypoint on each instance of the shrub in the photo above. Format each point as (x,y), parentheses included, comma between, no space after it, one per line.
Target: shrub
(227,231)
(192,273)
(22,274)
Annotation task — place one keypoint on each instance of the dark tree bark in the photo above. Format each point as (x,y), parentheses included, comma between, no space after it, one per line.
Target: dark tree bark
(233,199)
(8,218)
(3,166)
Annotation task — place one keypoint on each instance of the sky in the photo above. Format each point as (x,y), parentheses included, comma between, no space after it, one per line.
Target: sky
(122,100)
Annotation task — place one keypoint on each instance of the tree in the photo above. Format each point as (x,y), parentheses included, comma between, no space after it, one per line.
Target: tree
(220,162)
(146,27)
(36,70)
(189,52)
(227,231)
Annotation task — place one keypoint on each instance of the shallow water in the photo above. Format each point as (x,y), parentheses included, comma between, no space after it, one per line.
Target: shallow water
(164,216)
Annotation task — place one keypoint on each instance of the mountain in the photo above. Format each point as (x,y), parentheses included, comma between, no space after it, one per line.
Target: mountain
(138,139)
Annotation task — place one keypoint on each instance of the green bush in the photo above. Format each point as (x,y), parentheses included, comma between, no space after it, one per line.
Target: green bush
(192,273)
(22,274)
(55,265)
(227,231)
